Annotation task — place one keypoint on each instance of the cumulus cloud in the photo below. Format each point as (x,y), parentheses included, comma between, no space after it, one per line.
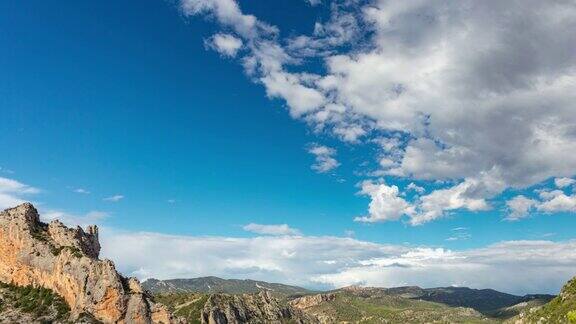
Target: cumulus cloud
(225,44)
(519,207)
(324,156)
(281,229)
(558,203)
(386,203)
(549,201)
(115,198)
(329,262)
(13,192)
(473,87)
(564,182)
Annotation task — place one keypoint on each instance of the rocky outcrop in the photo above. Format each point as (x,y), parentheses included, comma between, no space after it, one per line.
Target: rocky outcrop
(251,308)
(311,300)
(66,261)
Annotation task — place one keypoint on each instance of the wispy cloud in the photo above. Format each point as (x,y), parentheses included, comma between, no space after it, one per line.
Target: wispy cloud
(324,158)
(90,218)
(115,198)
(564,182)
(225,44)
(271,229)
(459,234)
(81,191)
(7,171)
(13,192)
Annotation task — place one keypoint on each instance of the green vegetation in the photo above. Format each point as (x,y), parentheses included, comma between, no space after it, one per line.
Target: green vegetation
(40,303)
(349,307)
(74,250)
(186,305)
(561,309)
(40,232)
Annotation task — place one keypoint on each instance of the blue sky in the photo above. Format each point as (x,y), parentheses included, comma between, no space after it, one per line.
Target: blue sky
(305,119)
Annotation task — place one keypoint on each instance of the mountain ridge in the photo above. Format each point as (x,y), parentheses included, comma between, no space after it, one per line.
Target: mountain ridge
(212,284)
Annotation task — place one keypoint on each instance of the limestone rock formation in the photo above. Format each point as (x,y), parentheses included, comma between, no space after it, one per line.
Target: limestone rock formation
(251,308)
(305,302)
(66,261)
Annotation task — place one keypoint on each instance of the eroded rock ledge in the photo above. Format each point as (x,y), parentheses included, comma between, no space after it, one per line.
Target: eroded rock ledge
(66,260)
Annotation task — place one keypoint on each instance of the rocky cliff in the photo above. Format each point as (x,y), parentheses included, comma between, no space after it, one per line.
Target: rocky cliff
(251,308)
(66,261)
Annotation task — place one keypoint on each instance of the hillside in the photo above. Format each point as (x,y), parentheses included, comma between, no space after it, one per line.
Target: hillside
(28,304)
(376,306)
(213,285)
(352,304)
(260,307)
(487,301)
(561,309)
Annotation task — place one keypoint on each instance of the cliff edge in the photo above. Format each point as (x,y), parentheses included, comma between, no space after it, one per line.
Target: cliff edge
(66,261)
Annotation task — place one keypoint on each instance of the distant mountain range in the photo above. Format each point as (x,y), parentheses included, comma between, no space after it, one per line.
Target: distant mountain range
(487,301)
(212,285)
(206,296)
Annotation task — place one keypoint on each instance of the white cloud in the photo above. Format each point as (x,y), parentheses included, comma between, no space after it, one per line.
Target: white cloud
(115,198)
(328,262)
(415,187)
(386,203)
(519,207)
(325,160)
(225,44)
(81,191)
(518,263)
(559,203)
(470,194)
(13,193)
(459,234)
(549,201)
(280,229)
(564,182)
(90,218)
(473,87)
(4,170)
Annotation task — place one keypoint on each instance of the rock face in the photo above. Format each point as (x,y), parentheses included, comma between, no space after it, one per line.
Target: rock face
(312,300)
(66,261)
(251,308)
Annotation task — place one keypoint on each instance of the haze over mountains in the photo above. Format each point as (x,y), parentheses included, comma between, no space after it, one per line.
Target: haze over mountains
(219,285)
